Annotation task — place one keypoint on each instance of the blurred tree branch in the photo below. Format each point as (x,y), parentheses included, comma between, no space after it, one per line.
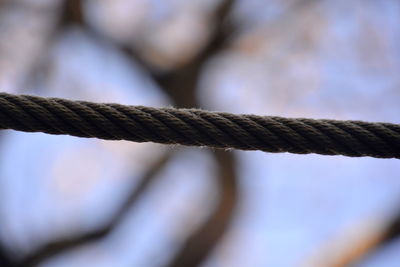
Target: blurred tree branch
(72,13)
(180,84)
(199,245)
(55,248)
(5,259)
(387,236)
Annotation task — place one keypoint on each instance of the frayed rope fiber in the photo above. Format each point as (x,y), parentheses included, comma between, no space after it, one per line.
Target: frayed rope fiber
(194,127)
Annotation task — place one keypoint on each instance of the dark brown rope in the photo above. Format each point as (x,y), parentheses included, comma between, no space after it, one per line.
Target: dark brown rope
(194,127)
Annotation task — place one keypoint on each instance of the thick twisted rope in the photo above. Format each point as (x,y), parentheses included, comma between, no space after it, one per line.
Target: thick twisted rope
(196,127)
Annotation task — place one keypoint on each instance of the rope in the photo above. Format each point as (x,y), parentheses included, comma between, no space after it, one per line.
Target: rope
(194,127)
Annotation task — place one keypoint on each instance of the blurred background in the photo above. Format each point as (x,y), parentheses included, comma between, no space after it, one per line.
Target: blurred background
(67,201)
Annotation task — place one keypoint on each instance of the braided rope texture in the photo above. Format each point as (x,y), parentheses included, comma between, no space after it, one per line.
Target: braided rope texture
(194,127)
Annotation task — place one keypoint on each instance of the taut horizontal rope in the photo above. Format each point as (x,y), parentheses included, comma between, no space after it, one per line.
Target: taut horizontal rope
(196,127)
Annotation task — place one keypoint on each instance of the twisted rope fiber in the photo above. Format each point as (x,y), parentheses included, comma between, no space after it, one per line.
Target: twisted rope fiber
(196,127)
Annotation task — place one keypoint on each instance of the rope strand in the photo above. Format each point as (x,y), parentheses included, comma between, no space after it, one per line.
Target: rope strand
(194,127)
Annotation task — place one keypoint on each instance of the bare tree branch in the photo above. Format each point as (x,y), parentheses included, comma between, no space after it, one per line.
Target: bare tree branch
(181,85)
(5,259)
(389,235)
(60,246)
(199,245)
